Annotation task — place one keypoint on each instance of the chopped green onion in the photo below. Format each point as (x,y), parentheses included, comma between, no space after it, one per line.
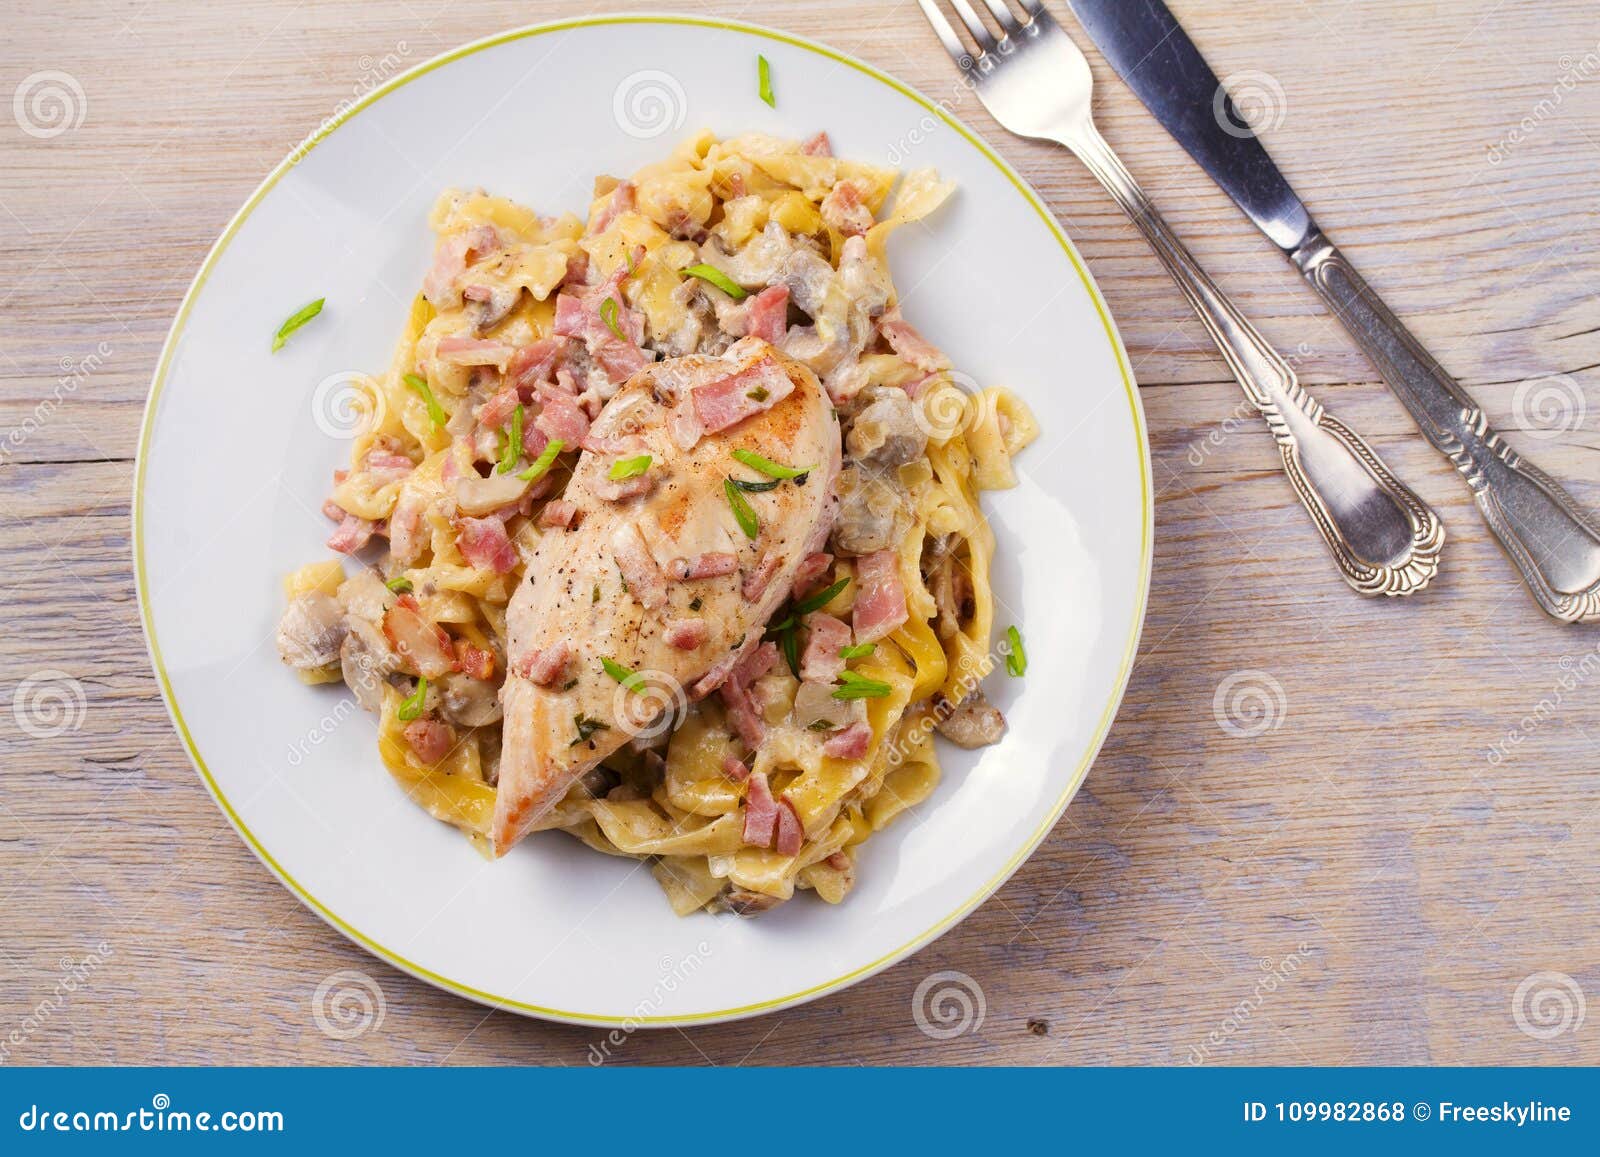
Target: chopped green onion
(296,319)
(764,75)
(594,595)
(586,727)
(789,644)
(770,468)
(715,276)
(757,487)
(629,678)
(696,603)
(1016,656)
(853,686)
(412,707)
(628,467)
(608,314)
(821,725)
(742,513)
(544,461)
(821,599)
(399,584)
(857,650)
(513,450)
(759,394)
(435,411)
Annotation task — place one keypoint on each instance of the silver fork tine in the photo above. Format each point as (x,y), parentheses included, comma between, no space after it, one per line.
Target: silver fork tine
(980,31)
(947,35)
(1035,8)
(1008,22)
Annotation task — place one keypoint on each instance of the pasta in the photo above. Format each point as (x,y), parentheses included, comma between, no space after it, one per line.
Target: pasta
(462,484)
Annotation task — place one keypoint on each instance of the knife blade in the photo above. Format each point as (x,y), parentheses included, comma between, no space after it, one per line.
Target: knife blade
(1552,541)
(1155,57)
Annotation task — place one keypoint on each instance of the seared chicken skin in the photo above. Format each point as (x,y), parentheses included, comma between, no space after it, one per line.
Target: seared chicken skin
(656,588)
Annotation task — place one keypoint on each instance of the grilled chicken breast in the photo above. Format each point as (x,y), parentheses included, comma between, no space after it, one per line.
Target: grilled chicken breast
(648,591)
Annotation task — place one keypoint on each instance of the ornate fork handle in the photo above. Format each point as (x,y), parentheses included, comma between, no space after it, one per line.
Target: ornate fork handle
(1551,540)
(1384,538)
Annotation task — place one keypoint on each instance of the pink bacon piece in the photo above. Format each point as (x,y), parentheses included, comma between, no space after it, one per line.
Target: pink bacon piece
(712,564)
(351,534)
(545,666)
(910,345)
(790,834)
(731,400)
(430,739)
(686,634)
(484,543)
(760,812)
(880,598)
(851,743)
(825,635)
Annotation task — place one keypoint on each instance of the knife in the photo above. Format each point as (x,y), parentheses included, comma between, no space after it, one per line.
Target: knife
(1550,539)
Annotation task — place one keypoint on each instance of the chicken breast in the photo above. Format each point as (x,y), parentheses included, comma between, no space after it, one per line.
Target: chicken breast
(654,592)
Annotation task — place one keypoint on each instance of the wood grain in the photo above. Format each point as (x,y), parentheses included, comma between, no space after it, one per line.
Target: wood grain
(1365,852)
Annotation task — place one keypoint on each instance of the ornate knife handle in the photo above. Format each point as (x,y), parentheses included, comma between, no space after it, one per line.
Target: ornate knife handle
(1551,540)
(1384,538)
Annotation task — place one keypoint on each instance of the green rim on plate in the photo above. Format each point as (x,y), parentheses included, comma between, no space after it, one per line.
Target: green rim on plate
(445,982)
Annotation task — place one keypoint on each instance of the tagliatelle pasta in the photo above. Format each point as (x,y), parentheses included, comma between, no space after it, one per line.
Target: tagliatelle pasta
(747,272)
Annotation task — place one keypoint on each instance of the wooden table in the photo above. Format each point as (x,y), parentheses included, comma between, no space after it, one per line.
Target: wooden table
(1370,880)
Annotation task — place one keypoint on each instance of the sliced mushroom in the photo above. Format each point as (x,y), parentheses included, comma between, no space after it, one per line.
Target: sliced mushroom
(310,631)
(743,903)
(467,701)
(974,722)
(874,511)
(366,662)
(479,496)
(487,306)
(886,434)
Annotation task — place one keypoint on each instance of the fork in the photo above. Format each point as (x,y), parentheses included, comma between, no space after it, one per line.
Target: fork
(1035,81)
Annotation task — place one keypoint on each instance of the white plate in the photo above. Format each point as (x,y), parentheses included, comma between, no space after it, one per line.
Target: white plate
(235,459)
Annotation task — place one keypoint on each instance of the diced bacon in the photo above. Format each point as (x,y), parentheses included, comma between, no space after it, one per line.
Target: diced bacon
(331,509)
(384,462)
(450,261)
(909,344)
(808,575)
(474,662)
(474,351)
(839,862)
(755,583)
(430,739)
(543,667)
(686,634)
(735,769)
(351,534)
(497,411)
(622,489)
(712,564)
(914,389)
(621,201)
(817,146)
(534,440)
(536,362)
(559,513)
(821,661)
(406,527)
(790,834)
(880,598)
(484,544)
(423,647)
(742,714)
(339,476)
(560,419)
(768,316)
(577,270)
(620,359)
(760,812)
(844,209)
(851,743)
(731,400)
(639,570)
